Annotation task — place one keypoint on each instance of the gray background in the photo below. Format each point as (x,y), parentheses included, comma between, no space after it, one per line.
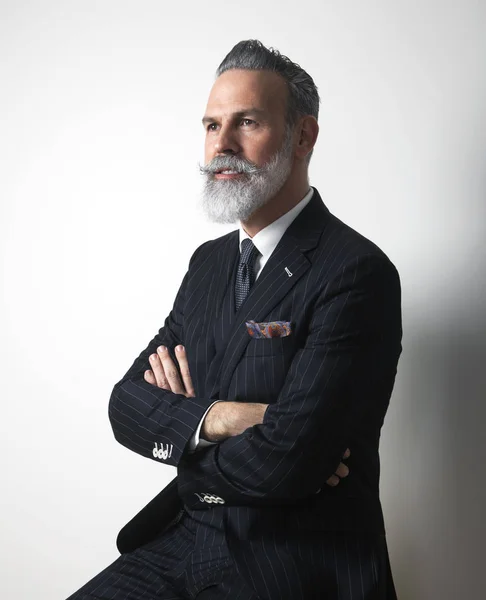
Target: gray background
(100,137)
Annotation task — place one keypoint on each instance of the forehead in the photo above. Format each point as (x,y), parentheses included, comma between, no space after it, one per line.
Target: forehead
(238,89)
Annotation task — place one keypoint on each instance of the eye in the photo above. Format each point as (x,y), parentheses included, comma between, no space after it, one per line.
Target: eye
(247,121)
(210,127)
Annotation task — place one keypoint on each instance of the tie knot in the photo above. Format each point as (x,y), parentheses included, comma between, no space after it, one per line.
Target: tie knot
(248,251)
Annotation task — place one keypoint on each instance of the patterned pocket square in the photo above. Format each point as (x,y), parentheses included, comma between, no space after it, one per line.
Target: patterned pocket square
(271,329)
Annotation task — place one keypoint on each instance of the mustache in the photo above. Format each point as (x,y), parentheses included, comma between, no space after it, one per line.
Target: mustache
(232,163)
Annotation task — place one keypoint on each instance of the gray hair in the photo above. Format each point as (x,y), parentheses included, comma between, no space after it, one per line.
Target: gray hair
(252,55)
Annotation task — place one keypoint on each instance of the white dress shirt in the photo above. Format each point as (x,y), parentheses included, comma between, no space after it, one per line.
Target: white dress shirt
(265,241)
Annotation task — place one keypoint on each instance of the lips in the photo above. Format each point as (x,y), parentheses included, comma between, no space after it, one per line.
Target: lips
(227,174)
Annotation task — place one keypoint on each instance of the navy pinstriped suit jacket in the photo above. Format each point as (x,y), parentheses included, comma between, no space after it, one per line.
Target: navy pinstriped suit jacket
(328,385)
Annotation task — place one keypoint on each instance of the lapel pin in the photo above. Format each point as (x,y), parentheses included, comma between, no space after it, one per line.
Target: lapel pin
(288,272)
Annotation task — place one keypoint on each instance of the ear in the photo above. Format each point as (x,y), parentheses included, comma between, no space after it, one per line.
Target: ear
(307,132)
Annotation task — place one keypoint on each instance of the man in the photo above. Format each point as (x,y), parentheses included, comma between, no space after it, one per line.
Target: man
(276,362)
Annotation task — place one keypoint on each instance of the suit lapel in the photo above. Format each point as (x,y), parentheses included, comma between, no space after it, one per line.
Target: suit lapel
(222,302)
(222,308)
(286,265)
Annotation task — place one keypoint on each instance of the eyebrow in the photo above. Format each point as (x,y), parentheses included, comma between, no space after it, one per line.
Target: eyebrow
(239,114)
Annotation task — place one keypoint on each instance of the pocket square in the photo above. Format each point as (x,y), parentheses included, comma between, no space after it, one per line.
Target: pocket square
(270,329)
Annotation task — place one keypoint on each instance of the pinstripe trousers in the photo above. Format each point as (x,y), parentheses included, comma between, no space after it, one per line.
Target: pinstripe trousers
(187,561)
(191,560)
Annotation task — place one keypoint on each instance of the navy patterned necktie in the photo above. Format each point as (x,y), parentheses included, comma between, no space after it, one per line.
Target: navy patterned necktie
(245,275)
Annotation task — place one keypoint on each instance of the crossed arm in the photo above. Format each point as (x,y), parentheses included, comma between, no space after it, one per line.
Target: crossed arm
(225,418)
(340,380)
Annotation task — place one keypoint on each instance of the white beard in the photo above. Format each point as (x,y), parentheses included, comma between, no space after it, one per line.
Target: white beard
(230,200)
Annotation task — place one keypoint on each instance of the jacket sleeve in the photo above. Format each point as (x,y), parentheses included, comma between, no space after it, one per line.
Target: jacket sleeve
(344,373)
(149,420)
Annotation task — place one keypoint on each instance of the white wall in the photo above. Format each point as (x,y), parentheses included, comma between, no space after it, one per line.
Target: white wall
(100,137)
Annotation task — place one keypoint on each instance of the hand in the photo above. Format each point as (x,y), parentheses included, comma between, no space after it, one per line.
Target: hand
(226,419)
(164,373)
(341,471)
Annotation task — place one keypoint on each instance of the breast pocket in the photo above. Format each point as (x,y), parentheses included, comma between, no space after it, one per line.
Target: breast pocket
(270,346)
(261,372)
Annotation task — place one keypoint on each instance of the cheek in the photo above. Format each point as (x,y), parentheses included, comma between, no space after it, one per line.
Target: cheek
(262,150)
(207,155)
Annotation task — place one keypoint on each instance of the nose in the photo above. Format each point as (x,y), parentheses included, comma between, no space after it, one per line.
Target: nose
(226,141)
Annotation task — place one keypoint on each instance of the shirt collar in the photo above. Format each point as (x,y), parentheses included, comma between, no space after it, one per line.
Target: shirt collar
(266,239)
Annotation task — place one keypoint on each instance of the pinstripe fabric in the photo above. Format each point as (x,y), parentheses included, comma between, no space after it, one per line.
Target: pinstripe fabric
(328,385)
(190,560)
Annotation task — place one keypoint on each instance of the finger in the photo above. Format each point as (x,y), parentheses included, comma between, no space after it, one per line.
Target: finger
(158,369)
(150,377)
(170,370)
(347,453)
(342,470)
(333,480)
(184,368)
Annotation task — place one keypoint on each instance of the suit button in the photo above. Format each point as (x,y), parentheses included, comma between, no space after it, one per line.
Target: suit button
(210,498)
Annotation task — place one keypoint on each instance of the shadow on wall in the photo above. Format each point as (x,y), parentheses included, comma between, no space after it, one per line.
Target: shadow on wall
(439,523)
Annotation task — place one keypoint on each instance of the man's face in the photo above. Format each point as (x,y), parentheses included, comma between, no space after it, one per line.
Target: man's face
(246,136)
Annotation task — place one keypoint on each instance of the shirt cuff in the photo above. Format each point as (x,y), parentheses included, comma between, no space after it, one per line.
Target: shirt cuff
(195,442)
